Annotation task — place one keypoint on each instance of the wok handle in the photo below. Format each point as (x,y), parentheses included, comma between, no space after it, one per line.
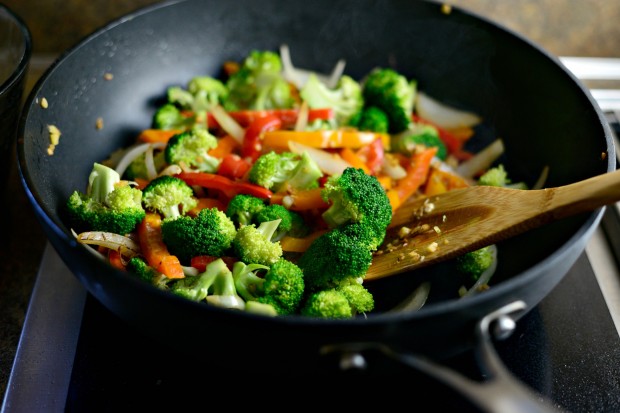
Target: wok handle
(501,392)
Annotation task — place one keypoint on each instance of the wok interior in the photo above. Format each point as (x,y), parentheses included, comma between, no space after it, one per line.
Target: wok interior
(525,98)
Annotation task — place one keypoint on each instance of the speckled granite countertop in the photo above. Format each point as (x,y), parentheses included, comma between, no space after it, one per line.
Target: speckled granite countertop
(563,27)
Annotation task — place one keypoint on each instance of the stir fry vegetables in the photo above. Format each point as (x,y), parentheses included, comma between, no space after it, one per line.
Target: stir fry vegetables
(267,191)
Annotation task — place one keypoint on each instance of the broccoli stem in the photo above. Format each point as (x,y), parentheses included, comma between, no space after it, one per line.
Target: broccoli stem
(101,182)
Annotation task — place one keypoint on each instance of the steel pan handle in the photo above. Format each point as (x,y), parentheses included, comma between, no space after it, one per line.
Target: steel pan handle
(501,392)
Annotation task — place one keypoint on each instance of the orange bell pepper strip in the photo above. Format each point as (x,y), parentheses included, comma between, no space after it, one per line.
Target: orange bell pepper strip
(417,171)
(339,138)
(351,157)
(154,250)
(302,200)
(225,145)
(442,181)
(157,135)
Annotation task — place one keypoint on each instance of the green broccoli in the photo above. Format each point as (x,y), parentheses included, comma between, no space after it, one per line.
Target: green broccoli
(215,285)
(138,267)
(305,175)
(168,117)
(282,285)
(192,149)
(327,304)
(393,93)
(292,223)
(372,119)
(498,176)
(272,169)
(333,257)
(201,94)
(473,264)
(364,234)
(418,134)
(260,308)
(345,98)
(253,245)
(258,84)
(356,197)
(359,298)
(169,195)
(106,205)
(242,208)
(209,233)
(137,168)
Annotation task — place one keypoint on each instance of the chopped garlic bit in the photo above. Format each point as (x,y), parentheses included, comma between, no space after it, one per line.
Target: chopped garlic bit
(432,247)
(99,123)
(437,229)
(446,8)
(404,231)
(54,134)
(108,76)
(44,103)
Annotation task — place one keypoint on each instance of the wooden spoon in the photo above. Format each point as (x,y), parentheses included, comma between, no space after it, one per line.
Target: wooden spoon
(429,230)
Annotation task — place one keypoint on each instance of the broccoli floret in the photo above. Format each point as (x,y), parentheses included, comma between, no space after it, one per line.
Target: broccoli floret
(253,245)
(258,84)
(106,205)
(282,286)
(391,92)
(305,175)
(242,208)
(210,233)
(327,304)
(363,233)
(260,308)
(333,257)
(418,134)
(498,176)
(137,168)
(345,98)
(473,264)
(360,299)
(291,222)
(215,285)
(192,149)
(356,197)
(202,93)
(272,169)
(372,119)
(168,195)
(138,267)
(169,117)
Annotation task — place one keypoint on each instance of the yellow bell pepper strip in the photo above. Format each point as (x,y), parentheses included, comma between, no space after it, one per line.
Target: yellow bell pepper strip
(442,181)
(226,186)
(417,172)
(324,139)
(154,250)
(292,244)
(157,135)
(302,200)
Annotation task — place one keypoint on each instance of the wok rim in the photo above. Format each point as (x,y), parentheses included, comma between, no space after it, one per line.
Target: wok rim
(515,282)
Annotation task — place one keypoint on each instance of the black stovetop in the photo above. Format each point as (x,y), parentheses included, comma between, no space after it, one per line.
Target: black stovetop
(75,355)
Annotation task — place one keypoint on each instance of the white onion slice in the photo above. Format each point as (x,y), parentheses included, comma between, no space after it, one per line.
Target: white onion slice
(392,168)
(133,153)
(443,115)
(124,245)
(415,300)
(302,117)
(540,182)
(330,163)
(298,77)
(227,123)
(482,160)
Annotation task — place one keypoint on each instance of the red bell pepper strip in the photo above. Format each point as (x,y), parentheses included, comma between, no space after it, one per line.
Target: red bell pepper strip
(251,147)
(373,155)
(233,166)
(227,186)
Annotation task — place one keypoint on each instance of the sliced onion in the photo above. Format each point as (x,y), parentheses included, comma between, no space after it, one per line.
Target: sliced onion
(298,76)
(540,182)
(171,170)
(227,123)
(443,115)
(133,153)
(330,163)
(302,117)
(151,171)
(124,245)
(482,160)
(415,300)
(392,167)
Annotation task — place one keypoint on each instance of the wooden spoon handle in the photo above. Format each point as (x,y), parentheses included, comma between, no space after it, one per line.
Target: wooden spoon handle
(430,230)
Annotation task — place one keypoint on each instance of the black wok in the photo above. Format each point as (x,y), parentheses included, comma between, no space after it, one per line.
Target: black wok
(544,116)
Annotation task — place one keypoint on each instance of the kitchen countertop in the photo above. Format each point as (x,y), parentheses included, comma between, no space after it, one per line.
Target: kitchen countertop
(24,241)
